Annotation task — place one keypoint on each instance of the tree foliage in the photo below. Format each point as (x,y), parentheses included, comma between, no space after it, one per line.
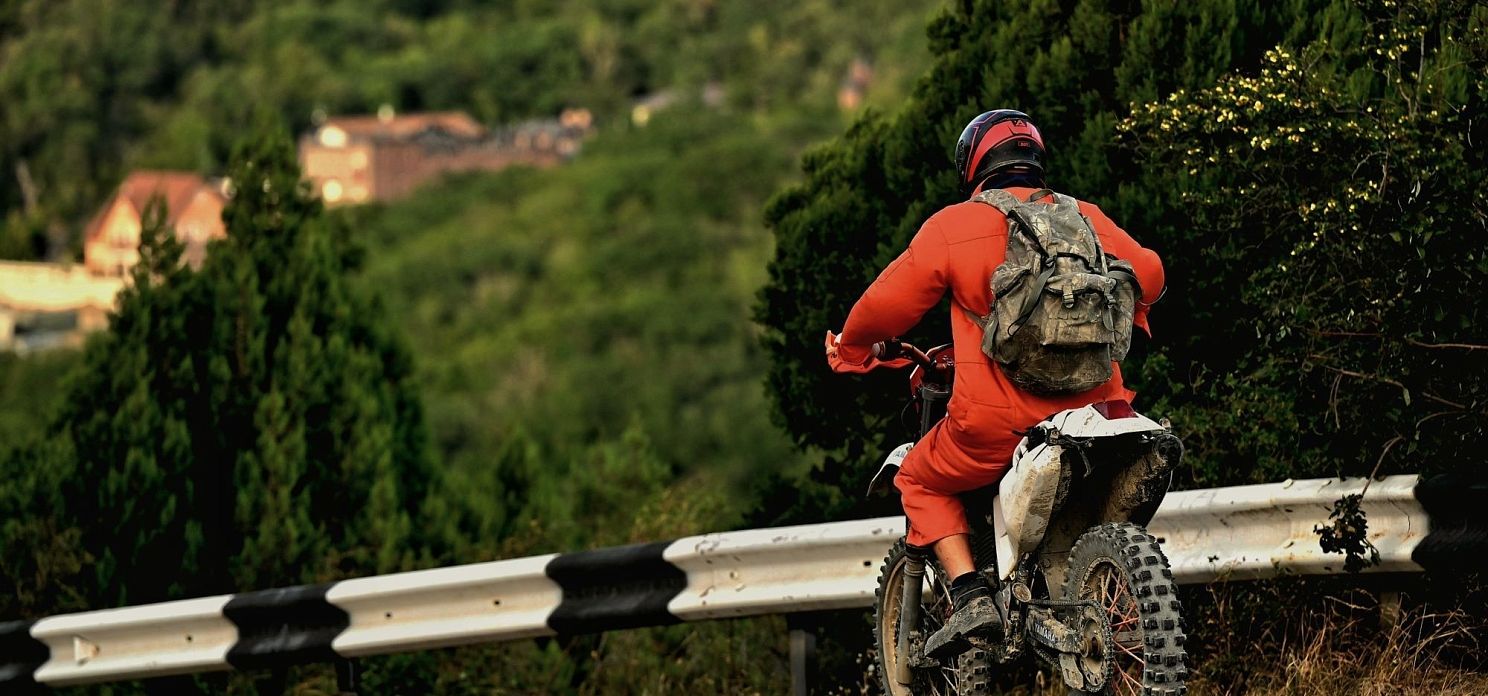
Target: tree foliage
(582,334)
(590,363)
(1331,215)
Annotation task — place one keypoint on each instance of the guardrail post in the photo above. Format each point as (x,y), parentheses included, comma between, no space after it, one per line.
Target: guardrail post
(802,654)
(348,673)
(1389,604)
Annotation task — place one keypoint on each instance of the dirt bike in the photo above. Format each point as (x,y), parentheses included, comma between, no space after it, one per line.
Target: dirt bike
(1078,581)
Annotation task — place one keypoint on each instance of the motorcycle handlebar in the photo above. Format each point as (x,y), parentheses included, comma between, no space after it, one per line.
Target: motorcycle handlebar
(893,348)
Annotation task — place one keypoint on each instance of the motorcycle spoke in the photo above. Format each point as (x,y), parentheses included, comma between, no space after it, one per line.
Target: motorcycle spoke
(948,677)
(1134,655)
(1129,683)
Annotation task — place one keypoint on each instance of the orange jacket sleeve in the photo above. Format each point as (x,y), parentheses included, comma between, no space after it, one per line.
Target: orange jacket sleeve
(1144,261)
(901,295)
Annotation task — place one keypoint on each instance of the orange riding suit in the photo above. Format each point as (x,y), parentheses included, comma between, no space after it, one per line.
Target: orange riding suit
(957,249)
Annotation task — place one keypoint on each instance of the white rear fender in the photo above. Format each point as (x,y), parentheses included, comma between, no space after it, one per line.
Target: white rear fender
(1025,502)
(884,479)
(1007,555)
(1027,494)
(1087,422)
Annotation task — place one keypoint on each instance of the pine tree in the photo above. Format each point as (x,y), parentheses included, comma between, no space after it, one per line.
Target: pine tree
(249,425)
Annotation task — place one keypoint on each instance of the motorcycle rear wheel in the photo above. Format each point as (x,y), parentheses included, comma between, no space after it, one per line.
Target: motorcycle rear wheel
(1124,570)
(967,674)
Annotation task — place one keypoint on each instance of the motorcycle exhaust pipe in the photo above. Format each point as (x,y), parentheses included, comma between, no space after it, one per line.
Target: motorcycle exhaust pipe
(909,613)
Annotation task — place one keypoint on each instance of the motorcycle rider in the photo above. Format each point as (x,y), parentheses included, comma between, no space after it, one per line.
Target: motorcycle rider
(957,249)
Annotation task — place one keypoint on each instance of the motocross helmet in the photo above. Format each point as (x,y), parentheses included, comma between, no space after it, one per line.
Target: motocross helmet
(1003,140)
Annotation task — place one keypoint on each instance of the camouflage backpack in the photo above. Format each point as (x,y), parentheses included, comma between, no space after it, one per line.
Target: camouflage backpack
(1061,308)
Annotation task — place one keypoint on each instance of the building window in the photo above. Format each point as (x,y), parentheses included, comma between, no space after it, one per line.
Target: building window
(331,190)
(331,136)
(125,236)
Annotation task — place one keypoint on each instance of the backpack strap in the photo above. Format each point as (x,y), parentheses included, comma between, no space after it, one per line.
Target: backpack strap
(1121,274)
(1031,301)
(999,199)
(981,321)
(1009,204)
(1024,312)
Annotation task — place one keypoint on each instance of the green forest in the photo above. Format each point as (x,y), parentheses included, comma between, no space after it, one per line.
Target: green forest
(627,347)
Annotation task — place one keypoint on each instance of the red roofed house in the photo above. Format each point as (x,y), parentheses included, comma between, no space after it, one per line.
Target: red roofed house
(193,207)
(354,159)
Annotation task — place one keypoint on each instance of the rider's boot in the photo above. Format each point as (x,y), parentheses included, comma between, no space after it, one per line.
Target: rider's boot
(973,612)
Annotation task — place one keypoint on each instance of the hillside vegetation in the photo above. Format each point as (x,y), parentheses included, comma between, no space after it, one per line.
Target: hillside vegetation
(94,88)
(583,334)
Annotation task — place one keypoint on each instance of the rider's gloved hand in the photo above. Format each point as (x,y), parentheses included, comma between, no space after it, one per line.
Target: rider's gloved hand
(834,358)
(888,350)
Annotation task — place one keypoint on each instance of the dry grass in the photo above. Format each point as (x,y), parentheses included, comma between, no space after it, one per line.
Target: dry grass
(1312,641)
(1337,643)
(1409,657)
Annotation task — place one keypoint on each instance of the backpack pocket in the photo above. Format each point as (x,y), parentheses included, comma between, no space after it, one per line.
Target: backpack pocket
(1077,310)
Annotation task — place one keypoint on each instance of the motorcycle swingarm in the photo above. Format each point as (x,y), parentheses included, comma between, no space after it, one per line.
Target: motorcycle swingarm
(1047,631)
(1057,643)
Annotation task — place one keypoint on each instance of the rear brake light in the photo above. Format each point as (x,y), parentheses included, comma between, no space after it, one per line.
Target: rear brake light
(1115,409)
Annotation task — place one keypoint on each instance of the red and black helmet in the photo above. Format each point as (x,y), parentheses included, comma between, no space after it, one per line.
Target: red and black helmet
(995,141)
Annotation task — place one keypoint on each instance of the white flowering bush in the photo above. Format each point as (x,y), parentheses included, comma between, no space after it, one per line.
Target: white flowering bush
(1328,251)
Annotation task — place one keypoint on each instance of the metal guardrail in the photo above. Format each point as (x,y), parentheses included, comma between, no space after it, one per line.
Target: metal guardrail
(1243,532)
(1262,531)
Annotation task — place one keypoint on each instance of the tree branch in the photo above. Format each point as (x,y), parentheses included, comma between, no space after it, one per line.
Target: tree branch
(1411,341)
(1387,380)
(1462,346)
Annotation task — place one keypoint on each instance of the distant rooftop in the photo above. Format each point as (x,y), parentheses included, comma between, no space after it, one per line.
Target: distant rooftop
(388,126)
(175,188)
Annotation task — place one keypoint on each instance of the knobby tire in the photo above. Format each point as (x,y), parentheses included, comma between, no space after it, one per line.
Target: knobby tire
(1123,569)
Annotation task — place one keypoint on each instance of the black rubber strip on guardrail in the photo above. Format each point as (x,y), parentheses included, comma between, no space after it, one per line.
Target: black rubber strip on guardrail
(1457,536)
(293,625)
(614,588)
(20,656)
